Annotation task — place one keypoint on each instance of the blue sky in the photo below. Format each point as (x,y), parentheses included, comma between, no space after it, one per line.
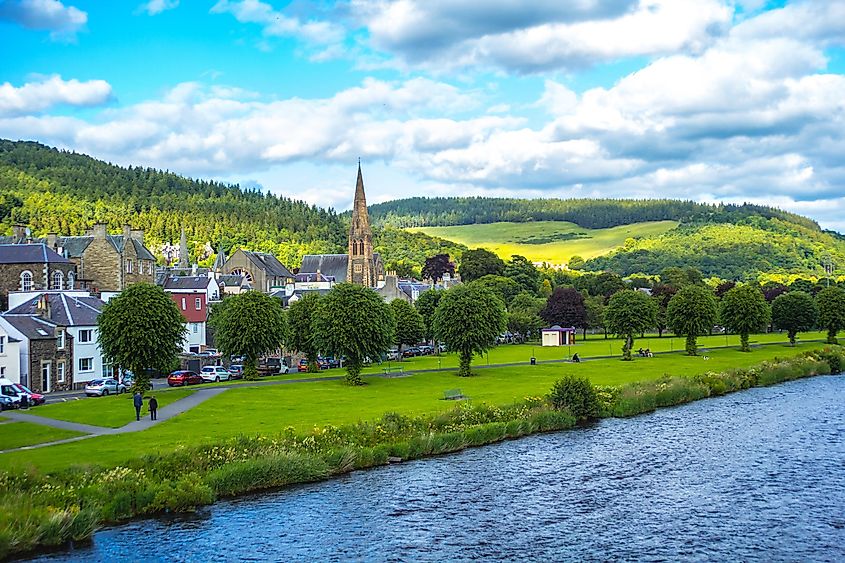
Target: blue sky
(710,100)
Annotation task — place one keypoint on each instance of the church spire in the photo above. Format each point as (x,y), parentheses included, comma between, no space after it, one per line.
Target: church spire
(361,267)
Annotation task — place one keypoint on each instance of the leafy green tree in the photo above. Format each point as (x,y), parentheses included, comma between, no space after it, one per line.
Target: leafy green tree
(565,307)
(468,319)
(478,263)
(141,329)
(680,277)
(831,303)
(426,304)
(410,328)
(662,293)
(794,312)
(692,312)
(504,288)
(595,314)
(524,314)
(523,272)
(355,323)
(251,324)
(545,288)
(629,312)
(744,310)
(576,263)
(301,315)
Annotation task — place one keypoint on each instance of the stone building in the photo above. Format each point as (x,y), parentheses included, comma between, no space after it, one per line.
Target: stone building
(33,267)
(262,271)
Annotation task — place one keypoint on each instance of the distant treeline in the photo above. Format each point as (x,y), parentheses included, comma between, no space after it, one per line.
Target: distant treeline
(588,213)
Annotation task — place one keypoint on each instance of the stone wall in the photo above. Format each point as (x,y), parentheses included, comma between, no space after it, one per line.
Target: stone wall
(101,265)
(238,261)
(45,350)
(10,277)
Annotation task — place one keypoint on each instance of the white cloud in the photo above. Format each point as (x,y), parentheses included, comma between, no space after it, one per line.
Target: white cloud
(62,21)
(155,7)
(275,23)
(51,91)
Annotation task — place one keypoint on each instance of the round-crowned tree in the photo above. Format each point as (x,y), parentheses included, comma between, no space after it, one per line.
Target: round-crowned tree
(629,312)
(468,320)
(141,329)
(794,312)
(744,310)
(410,328)
(354,322)
(565,307)
(249,325)
(301,313)
(831,304)
(425,305)
(692,312)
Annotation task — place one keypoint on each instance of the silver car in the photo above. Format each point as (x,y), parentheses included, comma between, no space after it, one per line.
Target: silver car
(103,387)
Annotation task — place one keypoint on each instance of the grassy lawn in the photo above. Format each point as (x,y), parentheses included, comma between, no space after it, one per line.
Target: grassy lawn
(112,411)
(19,434)
(268,410)
(506,239)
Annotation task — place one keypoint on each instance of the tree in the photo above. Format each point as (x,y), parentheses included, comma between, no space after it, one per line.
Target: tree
(576,263)
(468,319)
(410,328)
(436,266)
(662,293)
(479,263)
(524,314)
(772,290)
(629,312)
(141,329)
(565,307)
(546,288)
(680,277)
(250,324)
(355,323)
(723,288)
(426,304)
(523,272)
(831,303)
(504,288)
(744,310)
(595,314)
(794,312)
(300,334)
(691,312)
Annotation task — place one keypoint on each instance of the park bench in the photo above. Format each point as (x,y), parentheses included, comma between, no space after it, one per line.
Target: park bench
(394,369)
(453,395)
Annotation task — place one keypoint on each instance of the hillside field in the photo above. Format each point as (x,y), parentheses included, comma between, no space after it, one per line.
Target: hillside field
(554,242)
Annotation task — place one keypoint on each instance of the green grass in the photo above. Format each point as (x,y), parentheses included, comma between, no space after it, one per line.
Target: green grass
(506,239)
(19,434)
(269,410)
(112,412)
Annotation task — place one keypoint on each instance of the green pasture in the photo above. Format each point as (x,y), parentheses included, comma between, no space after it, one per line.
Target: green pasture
(20,434)
(507,239)
(268,410)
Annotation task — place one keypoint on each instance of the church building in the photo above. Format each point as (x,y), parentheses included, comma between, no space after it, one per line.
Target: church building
(360,265)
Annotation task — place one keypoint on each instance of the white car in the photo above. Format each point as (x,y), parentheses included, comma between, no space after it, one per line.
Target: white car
(103,387)
(215,373)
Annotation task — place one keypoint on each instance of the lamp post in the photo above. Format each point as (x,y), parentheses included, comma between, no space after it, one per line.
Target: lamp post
(827,262)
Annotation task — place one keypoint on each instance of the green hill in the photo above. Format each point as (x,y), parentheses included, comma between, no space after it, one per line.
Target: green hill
(553,242)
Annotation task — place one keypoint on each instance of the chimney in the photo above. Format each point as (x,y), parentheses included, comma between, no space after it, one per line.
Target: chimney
(194,268)
(19,232)
(99,230)
(127,233)
(42,307)
(138,234)
(53,241)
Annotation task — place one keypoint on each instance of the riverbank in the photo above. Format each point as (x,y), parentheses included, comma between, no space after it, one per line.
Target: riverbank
(43,509)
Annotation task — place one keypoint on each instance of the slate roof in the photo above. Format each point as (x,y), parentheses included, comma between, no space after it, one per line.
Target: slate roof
(186,282)
(33,327)
(268,263)
(330,265)
(75,246)
(408,287)
(35,253)
(280,294)
(231,280)
(306,277)
(65,310)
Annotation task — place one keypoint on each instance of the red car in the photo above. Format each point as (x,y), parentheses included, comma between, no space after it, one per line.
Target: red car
(34,398)
(182,377)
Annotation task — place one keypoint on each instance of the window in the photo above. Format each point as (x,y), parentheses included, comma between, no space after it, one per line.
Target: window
(26,281)
(184,304)
(358,268)
(195,326)
(60,371)
(58,280)
(198,303)
(129,266)
(86,364)
(60,339)
(71,280)
(86,336)
(2,371)
(2,344)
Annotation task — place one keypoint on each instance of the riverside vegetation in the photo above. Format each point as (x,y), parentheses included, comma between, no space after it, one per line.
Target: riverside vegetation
(49,509)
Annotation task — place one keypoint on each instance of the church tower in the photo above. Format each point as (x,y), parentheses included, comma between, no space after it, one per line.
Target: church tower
(361,268)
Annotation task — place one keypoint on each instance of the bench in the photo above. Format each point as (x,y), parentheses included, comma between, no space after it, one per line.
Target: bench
(396,369)
(453,395)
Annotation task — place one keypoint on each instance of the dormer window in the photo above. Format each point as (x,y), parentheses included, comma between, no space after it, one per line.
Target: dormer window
(26,281)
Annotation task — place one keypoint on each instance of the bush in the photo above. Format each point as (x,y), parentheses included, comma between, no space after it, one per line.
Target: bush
(575,394)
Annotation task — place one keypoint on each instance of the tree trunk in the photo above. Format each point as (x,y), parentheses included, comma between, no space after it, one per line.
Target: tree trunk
(743,342)
(626,347)
(831,336)
(312,364)
(465,360)
(353,372)
(692,345)
(250,371)
(791,335)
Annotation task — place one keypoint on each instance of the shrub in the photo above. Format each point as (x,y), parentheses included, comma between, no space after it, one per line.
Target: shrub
(575,394)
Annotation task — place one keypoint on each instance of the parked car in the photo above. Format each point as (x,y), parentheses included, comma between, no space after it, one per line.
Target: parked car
(180,378)
(441,347)
(410,352)
(129,380)
(332,362)
(8,390)
(425,349)
(6,403)
(215,373)
(303,365)
(103,387)
(393,354)
(34,398)
(236,371)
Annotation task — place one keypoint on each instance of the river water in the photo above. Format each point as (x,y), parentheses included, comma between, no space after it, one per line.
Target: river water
(754,476)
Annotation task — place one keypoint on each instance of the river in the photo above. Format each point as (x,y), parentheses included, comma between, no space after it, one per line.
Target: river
(754,476)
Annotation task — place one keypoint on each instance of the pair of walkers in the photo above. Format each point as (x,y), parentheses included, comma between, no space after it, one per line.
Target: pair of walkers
(138,401)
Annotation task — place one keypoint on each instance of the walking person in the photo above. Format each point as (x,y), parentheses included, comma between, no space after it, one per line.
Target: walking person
(138,401)
(153,408)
